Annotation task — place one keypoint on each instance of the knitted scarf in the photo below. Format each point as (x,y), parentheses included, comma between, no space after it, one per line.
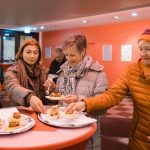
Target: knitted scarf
(30,78)
(71,76)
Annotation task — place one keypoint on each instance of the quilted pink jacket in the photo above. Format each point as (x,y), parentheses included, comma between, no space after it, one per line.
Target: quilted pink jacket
(91,83)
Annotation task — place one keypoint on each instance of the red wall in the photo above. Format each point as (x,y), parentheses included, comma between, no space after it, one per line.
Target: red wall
(113,34)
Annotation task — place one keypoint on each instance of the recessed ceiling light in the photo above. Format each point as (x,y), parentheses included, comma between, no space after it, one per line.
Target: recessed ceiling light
(134,14)
(27,30)
(42,27)
(116,17)
(34,28)
(84,21)
(6,34)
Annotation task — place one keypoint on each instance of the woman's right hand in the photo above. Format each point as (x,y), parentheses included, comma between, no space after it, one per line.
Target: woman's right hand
(79,106)
(50,83)
(36,104)
(70,98)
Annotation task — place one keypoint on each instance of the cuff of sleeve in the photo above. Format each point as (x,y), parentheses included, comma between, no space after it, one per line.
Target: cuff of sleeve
(82,100)
(27,98)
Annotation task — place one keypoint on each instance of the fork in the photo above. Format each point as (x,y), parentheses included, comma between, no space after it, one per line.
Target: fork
(51,77)
(47,91)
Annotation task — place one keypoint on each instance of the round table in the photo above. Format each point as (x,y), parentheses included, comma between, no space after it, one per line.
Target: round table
(45,137)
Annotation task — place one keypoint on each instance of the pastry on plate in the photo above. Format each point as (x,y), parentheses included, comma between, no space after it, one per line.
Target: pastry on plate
(1,123)
(54,94)
(70,113)
(13,123)
(16,115)
(53,113)
(16,120)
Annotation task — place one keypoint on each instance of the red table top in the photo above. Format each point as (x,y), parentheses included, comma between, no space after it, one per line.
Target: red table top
(46,137)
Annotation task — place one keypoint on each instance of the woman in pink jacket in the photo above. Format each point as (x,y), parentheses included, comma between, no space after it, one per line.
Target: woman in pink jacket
(136,80)
(81,77)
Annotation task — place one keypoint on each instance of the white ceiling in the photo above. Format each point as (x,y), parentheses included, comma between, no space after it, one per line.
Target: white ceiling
(64,14)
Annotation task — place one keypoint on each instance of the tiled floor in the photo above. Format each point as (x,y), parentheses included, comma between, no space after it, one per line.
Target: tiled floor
(123,110)
(115,126)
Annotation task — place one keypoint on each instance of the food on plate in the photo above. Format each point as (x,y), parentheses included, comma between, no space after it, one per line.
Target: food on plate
(14,122)
(57,114)
(16,115)
(53,94)
(53,112)
(70,113)
(1,123)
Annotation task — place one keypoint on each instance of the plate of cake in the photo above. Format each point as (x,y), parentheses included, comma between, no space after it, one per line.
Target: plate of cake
(63,117)
(55,96)
(15,123)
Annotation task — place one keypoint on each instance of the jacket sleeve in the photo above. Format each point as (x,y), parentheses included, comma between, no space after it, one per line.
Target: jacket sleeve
(16,92)
(110,98)
(101,84)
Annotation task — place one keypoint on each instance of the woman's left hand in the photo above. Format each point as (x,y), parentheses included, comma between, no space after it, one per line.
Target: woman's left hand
(70,98)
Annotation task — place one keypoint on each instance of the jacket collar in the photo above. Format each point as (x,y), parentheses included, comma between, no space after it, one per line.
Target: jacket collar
(90,64)
(145,70)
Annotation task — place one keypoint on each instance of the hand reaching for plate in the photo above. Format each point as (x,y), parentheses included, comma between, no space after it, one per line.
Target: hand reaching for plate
(36,104)
(79,106)
(70,98)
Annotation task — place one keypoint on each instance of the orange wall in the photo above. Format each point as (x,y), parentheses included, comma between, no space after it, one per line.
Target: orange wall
(113,34)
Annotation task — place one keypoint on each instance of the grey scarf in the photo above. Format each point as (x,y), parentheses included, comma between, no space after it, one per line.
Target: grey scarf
(70,77)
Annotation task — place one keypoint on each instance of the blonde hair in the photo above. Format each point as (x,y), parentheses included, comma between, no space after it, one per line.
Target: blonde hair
(78,40)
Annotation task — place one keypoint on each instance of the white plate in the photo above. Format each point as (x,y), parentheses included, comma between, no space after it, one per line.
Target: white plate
(67,122)
(28,122)
(55,98)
